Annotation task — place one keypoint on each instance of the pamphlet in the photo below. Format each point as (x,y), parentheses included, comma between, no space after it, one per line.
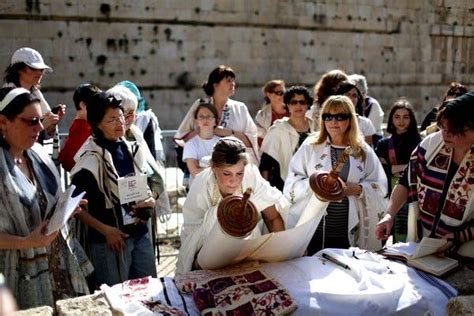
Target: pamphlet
(64,208)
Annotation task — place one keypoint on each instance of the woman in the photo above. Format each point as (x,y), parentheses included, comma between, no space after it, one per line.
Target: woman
(273,108)
(286,136)
(348,222)
(39,268)
(350,90)
(118,241)
(439,181)
(26,71)
(230,174)
(197,151)
(233,116)
(394,152)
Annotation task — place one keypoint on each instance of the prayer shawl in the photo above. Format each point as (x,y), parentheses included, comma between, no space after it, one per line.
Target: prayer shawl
(142,121)
(263,120)
(364,211)
(27,271)
(235,116)
(200,210)
(428,168)
(281,143)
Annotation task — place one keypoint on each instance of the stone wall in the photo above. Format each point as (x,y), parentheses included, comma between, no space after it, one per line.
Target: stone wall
(168,47)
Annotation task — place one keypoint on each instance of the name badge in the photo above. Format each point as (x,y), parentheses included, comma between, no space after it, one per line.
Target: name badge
(132,189)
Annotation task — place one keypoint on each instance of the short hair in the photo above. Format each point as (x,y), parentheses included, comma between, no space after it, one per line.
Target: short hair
(297,90)
(458,114)
(455,90)
(342,104)
(325,87)
(346,86)
(216,76)
(129,100)
(98,106)
(83,93)
(210,107)
(270,86)
(361,83)
(402,103)
(228,151)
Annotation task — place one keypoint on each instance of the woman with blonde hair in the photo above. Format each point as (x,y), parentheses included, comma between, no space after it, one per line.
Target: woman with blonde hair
(273,109)
(350,222)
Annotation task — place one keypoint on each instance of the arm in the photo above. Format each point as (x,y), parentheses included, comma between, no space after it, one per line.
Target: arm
(273,219)
(36,239)
(193,166)
(397,199)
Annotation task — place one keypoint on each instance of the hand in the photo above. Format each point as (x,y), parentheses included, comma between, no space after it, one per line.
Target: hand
(38,239)
(353,189)
(448,245)
(384,227)
(50,120)
(115,238)
(79,208)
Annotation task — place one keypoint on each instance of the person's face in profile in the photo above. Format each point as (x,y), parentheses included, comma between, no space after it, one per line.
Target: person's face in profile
(229,178)
(225,87)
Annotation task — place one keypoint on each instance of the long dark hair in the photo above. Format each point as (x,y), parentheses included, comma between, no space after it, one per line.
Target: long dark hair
(402,103)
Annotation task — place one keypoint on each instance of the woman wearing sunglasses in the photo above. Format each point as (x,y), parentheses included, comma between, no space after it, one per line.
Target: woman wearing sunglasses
(286,136)
(273,108)
(350,222)
(40,268)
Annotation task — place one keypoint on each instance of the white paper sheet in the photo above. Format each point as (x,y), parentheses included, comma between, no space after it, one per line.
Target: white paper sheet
(64,208)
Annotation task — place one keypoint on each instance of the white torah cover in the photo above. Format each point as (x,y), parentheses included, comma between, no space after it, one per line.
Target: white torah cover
(203,237)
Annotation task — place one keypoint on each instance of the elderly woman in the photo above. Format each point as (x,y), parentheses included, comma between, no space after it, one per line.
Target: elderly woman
(230,174)
(348,222)
(286,136)
(233,116)
(273,109)
(118,241)
(39,268)
(439,182)
(26,70)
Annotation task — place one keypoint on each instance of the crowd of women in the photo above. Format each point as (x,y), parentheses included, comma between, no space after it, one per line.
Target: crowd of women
(296,133)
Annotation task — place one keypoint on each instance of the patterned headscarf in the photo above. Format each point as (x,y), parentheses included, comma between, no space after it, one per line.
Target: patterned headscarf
(133,87)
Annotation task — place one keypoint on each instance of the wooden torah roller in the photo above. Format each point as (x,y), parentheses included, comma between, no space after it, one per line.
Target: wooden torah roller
(327,186)
(236,215)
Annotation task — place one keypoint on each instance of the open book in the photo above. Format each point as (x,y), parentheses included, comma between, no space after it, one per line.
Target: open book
(421,255)
(64,208)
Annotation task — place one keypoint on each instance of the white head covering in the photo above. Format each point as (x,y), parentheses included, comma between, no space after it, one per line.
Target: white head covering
(10,96)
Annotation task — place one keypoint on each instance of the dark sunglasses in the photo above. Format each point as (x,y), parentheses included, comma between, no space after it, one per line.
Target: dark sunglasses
(279,93)
(339,117)
(30,122)
(301,102)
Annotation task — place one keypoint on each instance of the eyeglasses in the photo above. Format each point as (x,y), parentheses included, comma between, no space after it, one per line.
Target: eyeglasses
(205,117)
(300,102)
(338,116)
(120,118)
(30,122)
(279,92)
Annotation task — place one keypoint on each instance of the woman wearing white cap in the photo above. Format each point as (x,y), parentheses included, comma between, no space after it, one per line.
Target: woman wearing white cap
(26,70)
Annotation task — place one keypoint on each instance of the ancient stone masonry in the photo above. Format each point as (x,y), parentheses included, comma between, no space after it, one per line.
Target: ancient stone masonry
(404,47)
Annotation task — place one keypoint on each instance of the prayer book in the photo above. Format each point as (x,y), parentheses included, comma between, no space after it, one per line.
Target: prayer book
(421,255)
(64,208)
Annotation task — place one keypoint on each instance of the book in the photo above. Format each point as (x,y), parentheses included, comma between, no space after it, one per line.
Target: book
(422,255)
(64,208)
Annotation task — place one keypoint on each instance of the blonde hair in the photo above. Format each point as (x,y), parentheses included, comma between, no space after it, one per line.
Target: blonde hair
(342,104)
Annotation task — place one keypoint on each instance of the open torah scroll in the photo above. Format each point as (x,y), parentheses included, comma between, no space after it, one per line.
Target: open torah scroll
(221,249)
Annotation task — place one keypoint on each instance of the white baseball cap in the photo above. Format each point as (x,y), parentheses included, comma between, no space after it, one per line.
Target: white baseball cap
(30,57)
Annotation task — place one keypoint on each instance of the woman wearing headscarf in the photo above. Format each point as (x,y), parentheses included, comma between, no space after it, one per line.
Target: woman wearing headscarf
(40,267)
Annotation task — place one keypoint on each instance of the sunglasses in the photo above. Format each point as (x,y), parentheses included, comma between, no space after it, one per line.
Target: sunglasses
(339,117)
(30,122)
(279,93)
(301,102)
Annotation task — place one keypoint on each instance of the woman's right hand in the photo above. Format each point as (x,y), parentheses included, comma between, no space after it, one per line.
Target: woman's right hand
(37,238)
(50,120)
(115,238)
(384,227)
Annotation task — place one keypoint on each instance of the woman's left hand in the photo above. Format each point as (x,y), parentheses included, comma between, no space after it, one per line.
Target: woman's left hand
(79,208)
(448,245)
(148,203)
(353,189)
